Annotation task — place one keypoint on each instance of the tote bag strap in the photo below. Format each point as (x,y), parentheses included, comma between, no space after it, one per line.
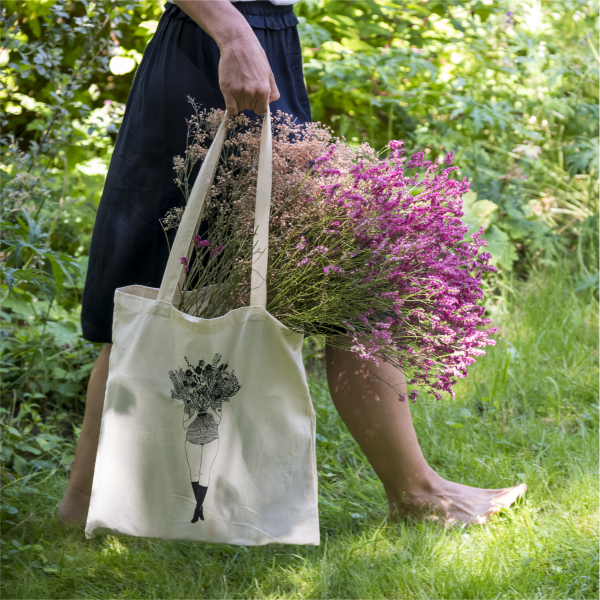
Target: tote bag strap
(260,251)
(174,275)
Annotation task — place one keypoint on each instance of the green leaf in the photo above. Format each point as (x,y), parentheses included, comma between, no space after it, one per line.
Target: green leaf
(35,277)
(584,155)
(11,510)
(482,12)
(587,281)
(500,247)
(63,332)
(14,432)
(31,449)
(477,213)
(52,569)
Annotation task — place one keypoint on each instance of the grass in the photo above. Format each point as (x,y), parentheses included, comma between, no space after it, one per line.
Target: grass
(528,411)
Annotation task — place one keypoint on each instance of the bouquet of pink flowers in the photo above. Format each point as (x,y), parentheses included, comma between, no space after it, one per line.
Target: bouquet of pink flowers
(365,250)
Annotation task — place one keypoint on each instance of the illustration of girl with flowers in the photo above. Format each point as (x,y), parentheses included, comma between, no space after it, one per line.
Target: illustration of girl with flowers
(202,389)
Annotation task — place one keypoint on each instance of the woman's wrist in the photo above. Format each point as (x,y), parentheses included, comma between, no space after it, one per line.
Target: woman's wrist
(219,18)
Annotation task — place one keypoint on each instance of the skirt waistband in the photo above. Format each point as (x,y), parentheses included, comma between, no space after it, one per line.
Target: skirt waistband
(261,14)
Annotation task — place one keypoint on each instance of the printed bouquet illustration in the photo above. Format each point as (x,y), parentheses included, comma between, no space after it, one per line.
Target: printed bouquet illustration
(204,385)
(202,389)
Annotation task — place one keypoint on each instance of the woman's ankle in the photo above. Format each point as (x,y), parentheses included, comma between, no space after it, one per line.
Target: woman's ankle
(407,490)
(74,507)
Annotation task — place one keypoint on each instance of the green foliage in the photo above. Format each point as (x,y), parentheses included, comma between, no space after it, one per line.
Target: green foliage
(33,445)
(529,412)
(61,109)
(513,94)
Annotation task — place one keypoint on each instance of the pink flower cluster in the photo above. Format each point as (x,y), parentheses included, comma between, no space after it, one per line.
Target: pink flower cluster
(435,327)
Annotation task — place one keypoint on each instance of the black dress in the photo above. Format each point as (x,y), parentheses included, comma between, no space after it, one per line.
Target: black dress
(128,245)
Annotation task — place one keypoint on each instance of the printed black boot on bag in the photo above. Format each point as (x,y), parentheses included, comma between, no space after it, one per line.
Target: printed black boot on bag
(199,512)
(195,487)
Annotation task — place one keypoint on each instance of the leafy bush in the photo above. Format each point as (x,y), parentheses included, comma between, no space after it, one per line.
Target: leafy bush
(58,133)
(34,444)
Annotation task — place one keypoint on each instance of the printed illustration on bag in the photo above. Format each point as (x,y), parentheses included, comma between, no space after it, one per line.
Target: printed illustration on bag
(202,389)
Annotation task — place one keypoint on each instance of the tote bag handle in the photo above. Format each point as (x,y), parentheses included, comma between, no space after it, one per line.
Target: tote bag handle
(174,275)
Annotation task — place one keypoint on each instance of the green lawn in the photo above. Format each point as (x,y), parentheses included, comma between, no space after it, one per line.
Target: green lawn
(529,411)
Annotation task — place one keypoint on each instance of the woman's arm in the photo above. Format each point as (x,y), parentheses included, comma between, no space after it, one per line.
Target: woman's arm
(187,422)
(216,414)
(245,77)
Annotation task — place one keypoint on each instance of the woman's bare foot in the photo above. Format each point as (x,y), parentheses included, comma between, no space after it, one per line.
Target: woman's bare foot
(452,503)
(383,428)
(73,509)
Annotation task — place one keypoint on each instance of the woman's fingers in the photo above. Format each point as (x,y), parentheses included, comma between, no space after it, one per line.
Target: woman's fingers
(274,95)
(254,95)
(230,102)
(261,100)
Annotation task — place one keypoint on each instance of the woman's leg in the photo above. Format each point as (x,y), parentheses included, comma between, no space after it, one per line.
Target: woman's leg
(208,458)
(193,453)
(379,422)
(74,506)
(382,426)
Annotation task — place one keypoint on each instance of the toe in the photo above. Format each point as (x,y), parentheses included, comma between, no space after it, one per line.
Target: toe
(509,495)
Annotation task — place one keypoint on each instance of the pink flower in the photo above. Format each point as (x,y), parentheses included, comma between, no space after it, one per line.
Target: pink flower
(184,261)
(332,269)
(200,243)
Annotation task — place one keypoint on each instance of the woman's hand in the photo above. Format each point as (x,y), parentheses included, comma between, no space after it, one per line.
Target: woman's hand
(245,76)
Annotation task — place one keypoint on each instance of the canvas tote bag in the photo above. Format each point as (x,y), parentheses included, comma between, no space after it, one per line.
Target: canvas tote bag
(222,402)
